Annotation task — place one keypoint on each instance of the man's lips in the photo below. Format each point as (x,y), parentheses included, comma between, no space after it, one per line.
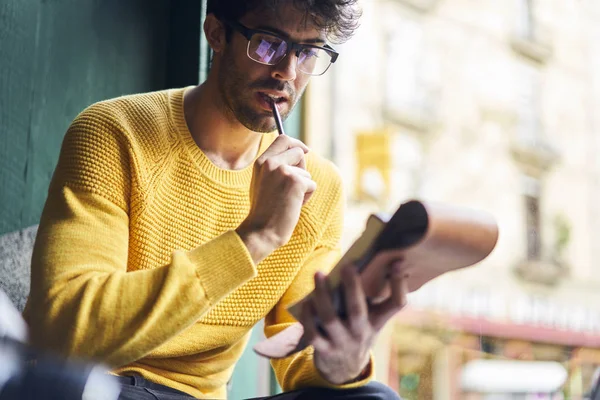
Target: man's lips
(265,100)
(278,97)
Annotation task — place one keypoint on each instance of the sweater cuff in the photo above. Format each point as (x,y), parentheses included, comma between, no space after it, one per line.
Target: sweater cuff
(313,378)
(222,265)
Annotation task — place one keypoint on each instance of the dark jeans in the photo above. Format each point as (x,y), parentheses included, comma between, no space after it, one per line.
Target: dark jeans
(137,388)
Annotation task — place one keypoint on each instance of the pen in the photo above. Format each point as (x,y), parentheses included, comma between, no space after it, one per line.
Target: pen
(277,118)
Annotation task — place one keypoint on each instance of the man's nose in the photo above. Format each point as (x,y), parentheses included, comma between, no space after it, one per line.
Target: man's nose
(286,69)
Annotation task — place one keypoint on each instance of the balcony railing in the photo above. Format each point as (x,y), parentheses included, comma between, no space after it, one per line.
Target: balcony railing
(420,113)
(533,40)
(534,153)
(544,272)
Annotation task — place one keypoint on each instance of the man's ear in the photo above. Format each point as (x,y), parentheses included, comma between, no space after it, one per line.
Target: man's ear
(215,33)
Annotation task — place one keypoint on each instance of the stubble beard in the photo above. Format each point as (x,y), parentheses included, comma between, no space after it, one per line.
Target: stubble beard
(238,98)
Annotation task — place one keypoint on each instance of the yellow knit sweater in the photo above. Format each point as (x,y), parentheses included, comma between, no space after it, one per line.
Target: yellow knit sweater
(137,265)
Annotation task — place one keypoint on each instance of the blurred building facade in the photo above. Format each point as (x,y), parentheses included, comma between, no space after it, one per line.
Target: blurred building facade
(491,105)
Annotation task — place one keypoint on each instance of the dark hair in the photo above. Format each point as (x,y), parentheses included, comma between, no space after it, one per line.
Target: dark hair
(339,18)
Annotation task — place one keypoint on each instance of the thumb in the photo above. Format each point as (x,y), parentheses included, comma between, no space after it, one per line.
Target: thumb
(285,343)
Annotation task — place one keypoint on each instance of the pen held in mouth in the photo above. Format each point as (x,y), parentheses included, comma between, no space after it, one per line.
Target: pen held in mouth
(277,117)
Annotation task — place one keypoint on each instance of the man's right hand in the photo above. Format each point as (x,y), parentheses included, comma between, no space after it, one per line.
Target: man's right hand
(280,186)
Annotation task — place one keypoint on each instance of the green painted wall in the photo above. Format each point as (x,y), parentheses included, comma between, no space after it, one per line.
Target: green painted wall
(56,58)
(17,54)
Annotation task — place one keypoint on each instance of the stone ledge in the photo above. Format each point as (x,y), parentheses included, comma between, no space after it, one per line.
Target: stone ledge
(15,262)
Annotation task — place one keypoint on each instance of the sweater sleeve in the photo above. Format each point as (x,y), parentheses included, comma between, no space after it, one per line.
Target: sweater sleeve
(83,302)
(298,371)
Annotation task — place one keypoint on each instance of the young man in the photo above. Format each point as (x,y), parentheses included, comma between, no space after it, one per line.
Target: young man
(176,220)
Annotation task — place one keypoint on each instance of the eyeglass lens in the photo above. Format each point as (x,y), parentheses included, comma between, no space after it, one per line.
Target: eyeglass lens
(270,50)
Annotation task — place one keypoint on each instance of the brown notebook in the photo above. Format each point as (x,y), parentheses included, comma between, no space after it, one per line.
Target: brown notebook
(436,238)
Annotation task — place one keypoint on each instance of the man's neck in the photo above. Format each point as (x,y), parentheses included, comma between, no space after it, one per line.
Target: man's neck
(223,139)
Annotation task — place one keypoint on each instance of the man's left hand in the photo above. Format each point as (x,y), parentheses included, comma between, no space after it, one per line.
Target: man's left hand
(343,352)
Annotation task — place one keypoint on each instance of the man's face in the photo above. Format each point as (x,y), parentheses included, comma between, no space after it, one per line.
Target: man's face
(245,84)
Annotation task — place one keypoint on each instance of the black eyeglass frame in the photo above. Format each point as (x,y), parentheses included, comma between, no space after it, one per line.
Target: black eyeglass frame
(291,45)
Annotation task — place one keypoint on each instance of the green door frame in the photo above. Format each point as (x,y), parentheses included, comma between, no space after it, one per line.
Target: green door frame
(205,51)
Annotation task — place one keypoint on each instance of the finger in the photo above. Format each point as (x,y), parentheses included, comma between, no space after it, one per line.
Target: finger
(299,171)
(307,321)
(381,313)
(307,196)
(281,144)
(308,185)
(388,257)
(375,276)
(283,344)
(323,304)
(302,163)
(356,302)
(293,156)
(311,333)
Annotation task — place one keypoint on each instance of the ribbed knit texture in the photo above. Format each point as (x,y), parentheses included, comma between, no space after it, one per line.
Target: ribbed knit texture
(136,262)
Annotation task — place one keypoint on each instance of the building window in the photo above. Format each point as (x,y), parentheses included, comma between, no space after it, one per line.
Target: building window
(533,220)
(404,50)
(529,106)
(412,71)
(530,147)
(526,19)
(532,37)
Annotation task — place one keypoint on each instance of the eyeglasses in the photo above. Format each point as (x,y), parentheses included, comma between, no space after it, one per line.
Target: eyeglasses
(269,49)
